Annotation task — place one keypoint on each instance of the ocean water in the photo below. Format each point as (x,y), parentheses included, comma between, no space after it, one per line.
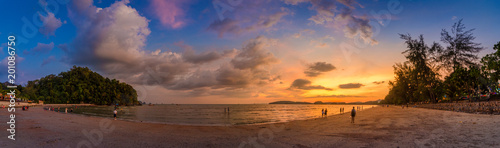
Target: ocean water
(208,114)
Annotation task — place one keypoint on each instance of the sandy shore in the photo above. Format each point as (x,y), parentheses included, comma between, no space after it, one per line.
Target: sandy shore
(376,127)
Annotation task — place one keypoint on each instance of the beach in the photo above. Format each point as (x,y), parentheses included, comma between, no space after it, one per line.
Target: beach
(375,127)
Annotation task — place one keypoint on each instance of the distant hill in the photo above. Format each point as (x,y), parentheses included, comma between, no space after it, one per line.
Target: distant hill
(320,102)
(289,102)
(80,85)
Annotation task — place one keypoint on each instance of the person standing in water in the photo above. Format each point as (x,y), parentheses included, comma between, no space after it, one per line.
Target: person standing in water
(326,111)
(353,114)
(114,113)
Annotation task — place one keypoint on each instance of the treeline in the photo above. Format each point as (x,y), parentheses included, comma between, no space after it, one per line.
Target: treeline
(433,73)
(79,85)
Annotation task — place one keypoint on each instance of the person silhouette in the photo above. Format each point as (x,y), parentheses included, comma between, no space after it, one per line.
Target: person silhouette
(353,114)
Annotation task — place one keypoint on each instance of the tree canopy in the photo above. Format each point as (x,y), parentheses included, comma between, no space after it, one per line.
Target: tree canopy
(80,85)
(419,78)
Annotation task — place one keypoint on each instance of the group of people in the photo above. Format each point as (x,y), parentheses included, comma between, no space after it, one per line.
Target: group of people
(491,107)
(58,109)
(25,108)
(324,112)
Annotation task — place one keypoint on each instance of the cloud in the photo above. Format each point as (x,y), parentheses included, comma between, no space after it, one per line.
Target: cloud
(40,48)
(453,17)
(246,21)
(350,85)
(243,70)
(63,47)
(102,44)
(169,12)
(306,85)
(305,31)
(316,69)
(189,54)
(355,25)
(50,24)
(328,13)
(253,55)
(378,82)
(48,60)
(294,2)
(335,96)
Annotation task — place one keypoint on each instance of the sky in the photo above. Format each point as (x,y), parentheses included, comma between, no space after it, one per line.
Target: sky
(234,51)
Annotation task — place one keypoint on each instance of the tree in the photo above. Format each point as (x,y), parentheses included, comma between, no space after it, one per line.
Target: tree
(461,50)
(465,82)
(491,67)
(79,85)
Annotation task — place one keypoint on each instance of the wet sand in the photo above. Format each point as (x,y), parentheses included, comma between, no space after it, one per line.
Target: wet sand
(375,127)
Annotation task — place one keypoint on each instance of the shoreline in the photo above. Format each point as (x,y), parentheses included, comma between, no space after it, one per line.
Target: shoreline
(374,127)
(208,125)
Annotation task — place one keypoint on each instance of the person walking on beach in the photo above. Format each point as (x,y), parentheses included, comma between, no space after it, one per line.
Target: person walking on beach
(115,112)
(66,110)
(322,112)
(353,114)
(326,111)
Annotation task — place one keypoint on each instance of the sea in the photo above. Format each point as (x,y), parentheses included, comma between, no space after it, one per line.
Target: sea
(216,114)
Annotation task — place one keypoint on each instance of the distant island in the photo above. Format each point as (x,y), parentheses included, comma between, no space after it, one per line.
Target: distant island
(320,102)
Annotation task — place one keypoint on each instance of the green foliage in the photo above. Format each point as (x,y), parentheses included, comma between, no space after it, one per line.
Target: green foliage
(80,85)
(416,80)
(461,50)
(491,67)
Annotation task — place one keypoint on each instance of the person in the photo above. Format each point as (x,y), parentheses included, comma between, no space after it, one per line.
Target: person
(341,110)
(115,112)
(225,110)
(66,110)
(353,114)
(326,111)
(322,112)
